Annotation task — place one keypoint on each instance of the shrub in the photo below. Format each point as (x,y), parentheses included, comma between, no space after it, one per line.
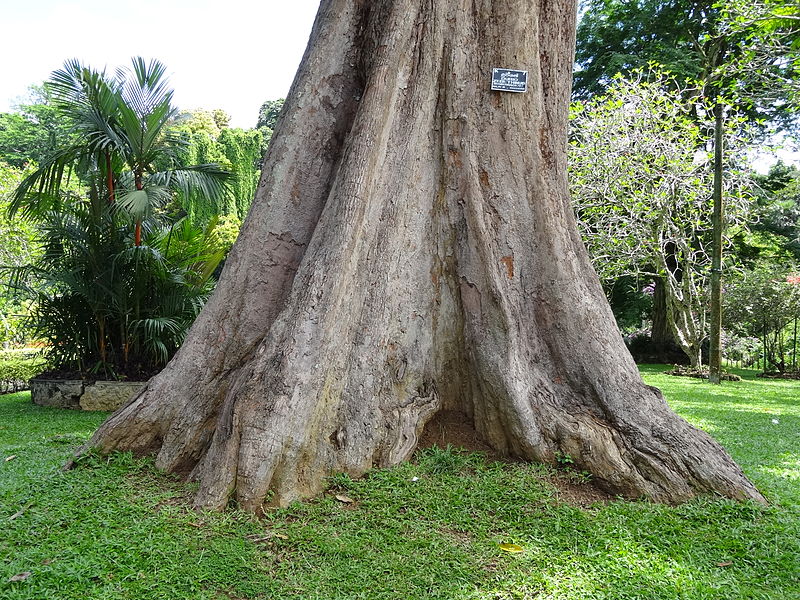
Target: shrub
(17,367)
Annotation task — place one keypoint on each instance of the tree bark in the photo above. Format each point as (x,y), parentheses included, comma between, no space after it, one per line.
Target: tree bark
(412,249)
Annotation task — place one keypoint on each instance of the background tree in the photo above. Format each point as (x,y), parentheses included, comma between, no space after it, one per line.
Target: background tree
(769,58)
(622,36)
(641,192)
(694,41)
(19,248)
(764,302)
(34,131)
(412,254)
(269,112)
(209,140)
(774,235)
(724,45)
(267,121)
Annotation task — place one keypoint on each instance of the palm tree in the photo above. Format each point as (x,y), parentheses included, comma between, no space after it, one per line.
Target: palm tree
(104,302)
(125,148)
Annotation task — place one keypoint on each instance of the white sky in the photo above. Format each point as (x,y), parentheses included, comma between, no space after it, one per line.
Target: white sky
(230,54)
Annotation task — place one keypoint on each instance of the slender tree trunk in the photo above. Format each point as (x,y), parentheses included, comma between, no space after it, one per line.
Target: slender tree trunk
(412,249)
(137,233)
(110,179)
(715,332)
(660,335)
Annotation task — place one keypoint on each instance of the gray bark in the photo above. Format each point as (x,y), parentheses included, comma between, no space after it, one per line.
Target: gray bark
(412,250)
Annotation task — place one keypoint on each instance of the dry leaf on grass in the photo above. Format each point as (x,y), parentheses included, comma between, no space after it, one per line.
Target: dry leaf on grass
(259,539)
(20,576)
(12,457)
(344,499)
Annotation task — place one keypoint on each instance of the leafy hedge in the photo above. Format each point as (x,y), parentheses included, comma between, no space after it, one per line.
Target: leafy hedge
(17,367)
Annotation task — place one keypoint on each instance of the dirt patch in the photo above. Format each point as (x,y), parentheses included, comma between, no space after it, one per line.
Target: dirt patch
(786,375)
(456,429)
(681,371)
(578,493)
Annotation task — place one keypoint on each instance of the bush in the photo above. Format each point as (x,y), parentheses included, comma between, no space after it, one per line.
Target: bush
(108,309)
(17,367)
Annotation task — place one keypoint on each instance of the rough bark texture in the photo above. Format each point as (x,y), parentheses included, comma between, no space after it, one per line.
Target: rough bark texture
(662,347)
(412,250)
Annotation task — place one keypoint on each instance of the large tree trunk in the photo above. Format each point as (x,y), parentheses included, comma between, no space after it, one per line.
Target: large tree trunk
(411,250)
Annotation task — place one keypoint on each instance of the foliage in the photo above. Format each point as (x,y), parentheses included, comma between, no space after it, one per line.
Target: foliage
(631,302)
(742,350)
(125,152)
(269,112)
(777,228)
(622,36)
(243,150)
(33,132)
(238,151)
(225,233)
(641,180)
(115,527)
(18,236)
(112,301)
(763,302)
(730,46)
(19,247)
(110,308)
(769,56)
(17,367)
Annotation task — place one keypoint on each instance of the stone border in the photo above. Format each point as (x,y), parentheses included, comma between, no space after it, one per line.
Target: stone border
(77,394)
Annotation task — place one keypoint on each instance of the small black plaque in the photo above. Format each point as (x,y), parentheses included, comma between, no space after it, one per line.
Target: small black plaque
(509,80)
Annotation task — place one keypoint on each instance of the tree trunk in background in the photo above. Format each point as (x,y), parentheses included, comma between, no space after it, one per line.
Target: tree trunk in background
(663,348)
(660,334)
(412,249)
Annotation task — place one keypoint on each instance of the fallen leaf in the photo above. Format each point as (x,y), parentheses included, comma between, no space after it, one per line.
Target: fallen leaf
(258,538)
(12,457)
(47,561)
(344,499)
(513,548)
(20,576)
(725,564)
(19,513)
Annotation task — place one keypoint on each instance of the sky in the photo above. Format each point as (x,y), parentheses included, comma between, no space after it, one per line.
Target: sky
(230,54)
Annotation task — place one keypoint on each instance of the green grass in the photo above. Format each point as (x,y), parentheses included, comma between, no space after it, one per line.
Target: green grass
(115,528)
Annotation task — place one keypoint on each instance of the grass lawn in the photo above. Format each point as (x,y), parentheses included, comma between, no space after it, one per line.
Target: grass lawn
(114,528)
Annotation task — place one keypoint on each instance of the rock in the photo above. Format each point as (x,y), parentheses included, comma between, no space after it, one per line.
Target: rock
(80,395)
(108,395)
(55,393)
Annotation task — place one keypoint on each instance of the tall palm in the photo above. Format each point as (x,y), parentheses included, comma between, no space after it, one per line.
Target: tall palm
(125,148)
(101,300)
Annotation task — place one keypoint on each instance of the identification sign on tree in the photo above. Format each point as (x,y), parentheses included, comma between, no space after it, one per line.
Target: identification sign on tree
(509,80)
